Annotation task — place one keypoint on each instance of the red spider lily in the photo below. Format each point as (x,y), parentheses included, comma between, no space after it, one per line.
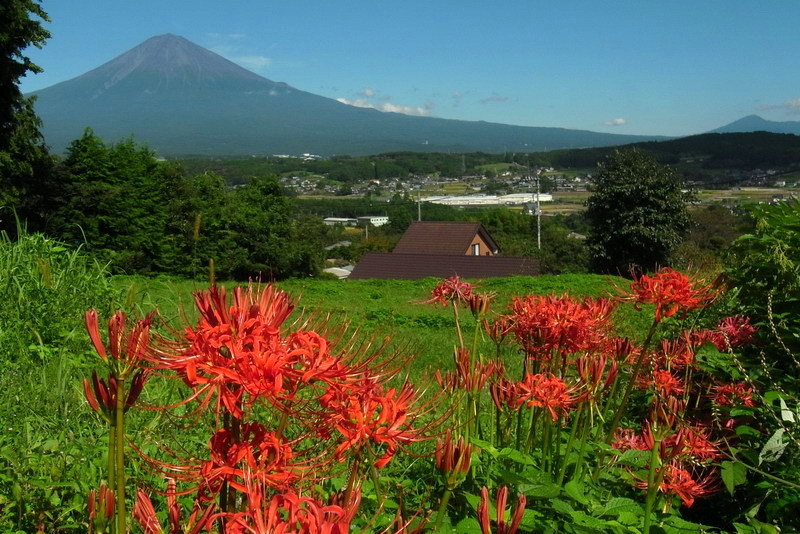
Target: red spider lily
(547,391)
(695,443)
(128,348)
(663,382)
(453,459)
(237,352)
(544,324)
(499,329)
(479,303)
(625,351)
(730,395)
(371,415)
(504,394)
(687,485)
(670,291)
(256,454)
(593,367)
(102,395)
(733,332)
(451,289)
(501,527)
(103,500)
(626,439)
(472,375)
(144,514)
(679,353)
(287,513)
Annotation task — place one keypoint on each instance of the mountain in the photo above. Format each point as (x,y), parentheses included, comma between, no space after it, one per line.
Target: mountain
(754,123)
(182,99)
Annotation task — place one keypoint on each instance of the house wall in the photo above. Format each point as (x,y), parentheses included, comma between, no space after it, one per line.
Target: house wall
(485,251)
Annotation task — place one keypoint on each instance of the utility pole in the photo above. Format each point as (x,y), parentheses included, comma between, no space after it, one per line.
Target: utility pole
(419,206)
(538,214)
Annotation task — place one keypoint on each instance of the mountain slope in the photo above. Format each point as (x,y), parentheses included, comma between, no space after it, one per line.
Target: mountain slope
(182,99)
(754,123)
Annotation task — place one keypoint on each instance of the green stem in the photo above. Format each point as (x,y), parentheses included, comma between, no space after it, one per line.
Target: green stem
(112,453)
(652,487)
(565,460)
(458,325)
(442,509)
(120,455)
(631,383)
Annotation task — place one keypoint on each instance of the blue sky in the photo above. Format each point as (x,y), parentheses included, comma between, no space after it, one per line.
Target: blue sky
(621,66)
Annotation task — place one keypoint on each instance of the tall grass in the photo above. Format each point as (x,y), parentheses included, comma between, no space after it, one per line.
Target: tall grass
(47,433)
(45,287)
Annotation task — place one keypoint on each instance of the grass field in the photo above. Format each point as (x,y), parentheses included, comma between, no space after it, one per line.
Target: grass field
(384,308)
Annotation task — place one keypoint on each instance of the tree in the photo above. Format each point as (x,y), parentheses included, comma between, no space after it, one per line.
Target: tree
(22,150)
(115,199)
(637,214)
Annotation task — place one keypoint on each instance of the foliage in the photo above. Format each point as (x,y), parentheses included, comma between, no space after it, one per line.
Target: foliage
(47,445)
(23,156)
(637,214)
(764,267)
(43,289)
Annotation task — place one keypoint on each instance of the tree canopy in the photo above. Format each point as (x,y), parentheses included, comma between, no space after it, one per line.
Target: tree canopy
(637,214)
(22,150)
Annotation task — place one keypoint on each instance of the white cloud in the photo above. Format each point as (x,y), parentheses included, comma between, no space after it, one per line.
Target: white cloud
(389,107)
(368,92)
(792,107)
(494,98)
(619,121)
(254,63)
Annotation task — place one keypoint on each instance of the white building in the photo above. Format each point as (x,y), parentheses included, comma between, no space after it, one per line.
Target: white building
(489,200)
(374,220)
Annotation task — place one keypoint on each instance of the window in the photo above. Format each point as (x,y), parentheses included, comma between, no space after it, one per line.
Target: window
(476,249)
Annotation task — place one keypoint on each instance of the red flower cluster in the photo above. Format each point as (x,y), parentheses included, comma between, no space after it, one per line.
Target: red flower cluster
(670,291)
(687,485)
(730,395)
(451,289)
(733,332)
(544,324)
(546,391)
(373,416)
(688,446)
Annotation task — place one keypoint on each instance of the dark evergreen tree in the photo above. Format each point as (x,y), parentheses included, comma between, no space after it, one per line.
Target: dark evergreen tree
(637,213)
(22,150)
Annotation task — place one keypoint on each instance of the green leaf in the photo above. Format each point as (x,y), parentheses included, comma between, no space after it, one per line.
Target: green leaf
(786,414)
(468,525)
(619,505)
(540,491)
(516,456)
(485,446)
(675,525)
(575,491)
(773,448)
(733,474)
(561,506)
(745,430)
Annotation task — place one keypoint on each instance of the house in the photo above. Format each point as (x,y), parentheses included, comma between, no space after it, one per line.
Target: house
(441,250)
(449,238)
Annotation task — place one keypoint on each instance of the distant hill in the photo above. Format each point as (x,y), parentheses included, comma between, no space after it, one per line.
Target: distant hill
(182,99)
(754,123)
(699,157)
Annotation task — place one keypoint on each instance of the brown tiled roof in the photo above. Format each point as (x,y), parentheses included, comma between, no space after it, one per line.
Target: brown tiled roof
(436,237)
(414,266)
